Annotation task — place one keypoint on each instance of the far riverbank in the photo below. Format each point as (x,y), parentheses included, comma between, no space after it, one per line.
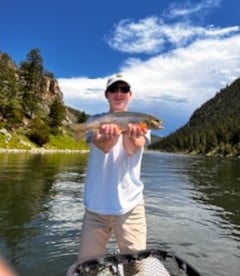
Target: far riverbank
(42,150)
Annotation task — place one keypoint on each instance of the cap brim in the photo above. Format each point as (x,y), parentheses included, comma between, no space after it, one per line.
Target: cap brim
(117,80)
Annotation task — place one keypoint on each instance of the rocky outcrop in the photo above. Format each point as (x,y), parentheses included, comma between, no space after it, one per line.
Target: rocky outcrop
(51,91)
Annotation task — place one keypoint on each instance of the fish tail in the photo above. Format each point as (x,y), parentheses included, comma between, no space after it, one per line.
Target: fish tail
(78,131)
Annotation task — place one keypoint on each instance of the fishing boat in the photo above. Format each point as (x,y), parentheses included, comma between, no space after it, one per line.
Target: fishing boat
(151,262)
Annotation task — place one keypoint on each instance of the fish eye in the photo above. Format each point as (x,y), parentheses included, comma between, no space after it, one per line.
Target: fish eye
(154,121)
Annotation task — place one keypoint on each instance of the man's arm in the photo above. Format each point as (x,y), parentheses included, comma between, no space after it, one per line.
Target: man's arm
(106,137)
(5,269)
(134,138)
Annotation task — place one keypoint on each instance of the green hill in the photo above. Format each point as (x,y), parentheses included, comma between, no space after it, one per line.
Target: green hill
(213,129)
(32,111)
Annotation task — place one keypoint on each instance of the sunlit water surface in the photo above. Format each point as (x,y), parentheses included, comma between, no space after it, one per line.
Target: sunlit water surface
(192,204)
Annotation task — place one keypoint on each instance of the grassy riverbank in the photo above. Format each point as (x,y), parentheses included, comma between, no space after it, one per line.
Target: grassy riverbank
(58,142)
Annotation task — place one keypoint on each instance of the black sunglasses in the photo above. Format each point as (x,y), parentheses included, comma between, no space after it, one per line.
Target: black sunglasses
(115,88)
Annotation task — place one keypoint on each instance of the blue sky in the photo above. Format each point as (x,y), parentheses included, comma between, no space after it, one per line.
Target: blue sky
(176,54)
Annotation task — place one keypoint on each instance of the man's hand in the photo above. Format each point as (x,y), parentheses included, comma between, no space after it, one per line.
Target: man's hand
(106,137)
(110,131)
(134,138)
(136,130)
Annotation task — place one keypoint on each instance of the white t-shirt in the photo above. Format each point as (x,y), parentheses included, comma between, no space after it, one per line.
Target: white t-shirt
(113,185)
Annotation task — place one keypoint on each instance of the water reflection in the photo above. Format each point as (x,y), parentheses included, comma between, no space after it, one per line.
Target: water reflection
(188,219)
(218,183)
(39,202)
(192,209)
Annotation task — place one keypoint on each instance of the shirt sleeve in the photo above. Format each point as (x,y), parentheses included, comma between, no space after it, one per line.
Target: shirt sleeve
(88,136)
(148,137)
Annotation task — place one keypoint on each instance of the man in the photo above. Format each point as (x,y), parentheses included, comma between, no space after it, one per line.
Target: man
(113,195)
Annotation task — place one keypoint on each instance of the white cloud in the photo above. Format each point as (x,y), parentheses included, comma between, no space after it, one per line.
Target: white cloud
(171,85)
(152,35)
(188,9)
(190,64)
(82,87)
(137,37)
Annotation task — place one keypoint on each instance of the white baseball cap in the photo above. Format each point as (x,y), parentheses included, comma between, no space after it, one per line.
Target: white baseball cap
(116,78)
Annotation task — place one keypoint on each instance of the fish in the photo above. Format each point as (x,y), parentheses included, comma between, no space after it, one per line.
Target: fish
(122,119)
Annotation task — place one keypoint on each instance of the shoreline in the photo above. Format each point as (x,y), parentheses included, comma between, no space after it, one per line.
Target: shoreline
(42,150)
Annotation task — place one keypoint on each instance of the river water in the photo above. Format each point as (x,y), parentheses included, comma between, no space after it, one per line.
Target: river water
(192,204)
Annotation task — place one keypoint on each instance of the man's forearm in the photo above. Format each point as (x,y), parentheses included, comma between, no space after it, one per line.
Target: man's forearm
(132,144)
(104,143)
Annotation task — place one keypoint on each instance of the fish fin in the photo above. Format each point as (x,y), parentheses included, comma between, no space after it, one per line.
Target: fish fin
(78,131)
(142,125)
(120,130)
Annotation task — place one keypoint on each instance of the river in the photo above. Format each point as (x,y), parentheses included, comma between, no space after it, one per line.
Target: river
(192,205)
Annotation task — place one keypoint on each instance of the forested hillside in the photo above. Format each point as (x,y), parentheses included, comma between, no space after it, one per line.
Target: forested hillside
(31,103)
(213,129)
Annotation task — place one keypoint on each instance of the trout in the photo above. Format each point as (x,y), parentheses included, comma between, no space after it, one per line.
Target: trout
(122,119)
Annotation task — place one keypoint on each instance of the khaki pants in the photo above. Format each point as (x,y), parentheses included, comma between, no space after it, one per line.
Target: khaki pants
(129,230)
